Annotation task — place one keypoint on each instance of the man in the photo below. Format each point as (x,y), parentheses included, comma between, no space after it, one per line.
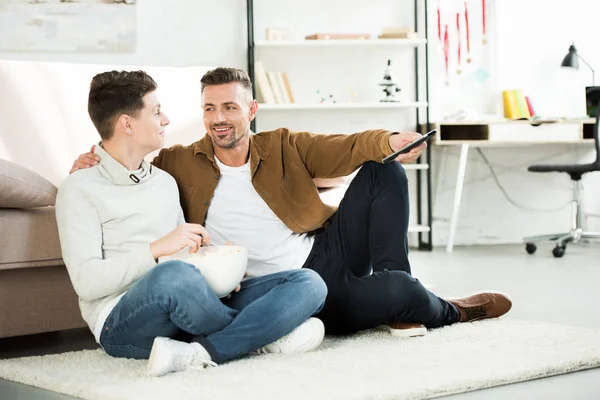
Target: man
(119,217)
(258,190)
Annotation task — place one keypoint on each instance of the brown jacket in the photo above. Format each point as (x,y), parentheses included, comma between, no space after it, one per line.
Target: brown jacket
(282,164)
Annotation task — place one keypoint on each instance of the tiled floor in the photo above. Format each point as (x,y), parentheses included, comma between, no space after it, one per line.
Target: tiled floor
(542,288)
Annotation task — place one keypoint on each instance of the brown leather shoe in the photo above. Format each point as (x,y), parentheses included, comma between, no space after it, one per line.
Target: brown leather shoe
(404,329)
(482,305)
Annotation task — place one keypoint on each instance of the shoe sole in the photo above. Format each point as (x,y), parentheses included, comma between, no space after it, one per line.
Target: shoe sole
(154,367)
(403,333)
(312,343)
(317,340)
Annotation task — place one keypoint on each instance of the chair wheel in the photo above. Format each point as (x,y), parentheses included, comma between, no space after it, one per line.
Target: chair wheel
(558,251)
(530,248)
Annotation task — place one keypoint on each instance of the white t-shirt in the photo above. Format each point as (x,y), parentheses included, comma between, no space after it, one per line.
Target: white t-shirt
(238,214)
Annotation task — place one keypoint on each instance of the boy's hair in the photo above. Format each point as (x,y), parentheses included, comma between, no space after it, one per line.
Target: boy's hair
(221,76)
(115,93)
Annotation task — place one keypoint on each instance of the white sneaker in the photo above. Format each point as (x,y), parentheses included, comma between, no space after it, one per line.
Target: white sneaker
(306,337)
(170,355)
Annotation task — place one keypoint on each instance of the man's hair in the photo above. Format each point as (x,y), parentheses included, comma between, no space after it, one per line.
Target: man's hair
(221,76)
(115,93)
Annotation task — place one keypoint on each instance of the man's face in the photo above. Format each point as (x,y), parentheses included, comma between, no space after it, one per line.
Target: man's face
(149,126)
(228,110)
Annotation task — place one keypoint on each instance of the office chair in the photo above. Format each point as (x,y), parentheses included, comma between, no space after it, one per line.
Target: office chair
(575,172)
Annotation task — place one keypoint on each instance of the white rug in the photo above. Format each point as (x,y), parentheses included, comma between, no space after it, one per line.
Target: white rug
(370,365)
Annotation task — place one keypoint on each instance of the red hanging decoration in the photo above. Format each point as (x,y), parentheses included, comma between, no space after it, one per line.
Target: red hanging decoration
(458,47)
(439,23)
(446,52)
(467,33)
(483,22)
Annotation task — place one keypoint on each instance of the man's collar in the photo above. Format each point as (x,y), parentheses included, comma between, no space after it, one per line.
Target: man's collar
(205,146)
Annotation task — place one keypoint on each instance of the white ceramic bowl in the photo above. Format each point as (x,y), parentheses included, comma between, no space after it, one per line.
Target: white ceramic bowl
(223,267)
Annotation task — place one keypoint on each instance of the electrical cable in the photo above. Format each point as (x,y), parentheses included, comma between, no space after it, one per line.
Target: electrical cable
(508,198)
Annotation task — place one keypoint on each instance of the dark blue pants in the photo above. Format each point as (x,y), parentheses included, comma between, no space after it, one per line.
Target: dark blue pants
(362,256)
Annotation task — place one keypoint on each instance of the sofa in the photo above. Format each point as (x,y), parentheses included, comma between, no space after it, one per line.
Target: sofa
(35,291)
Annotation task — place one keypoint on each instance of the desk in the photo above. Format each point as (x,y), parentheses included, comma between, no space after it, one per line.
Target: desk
(503,134)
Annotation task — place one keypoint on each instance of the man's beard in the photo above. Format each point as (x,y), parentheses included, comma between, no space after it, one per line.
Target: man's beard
(228,143)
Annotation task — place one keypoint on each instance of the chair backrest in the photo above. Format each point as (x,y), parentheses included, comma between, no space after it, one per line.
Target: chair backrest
(596,139)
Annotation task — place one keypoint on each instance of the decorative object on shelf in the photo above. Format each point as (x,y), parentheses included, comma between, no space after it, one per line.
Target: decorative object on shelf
(461,115)
(398,33)
(277,34)
(334,36)
(571,60)
(351,94)
(325,99)
(390,87)
(481,75)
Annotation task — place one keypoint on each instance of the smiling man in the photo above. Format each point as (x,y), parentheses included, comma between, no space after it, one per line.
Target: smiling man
(258,190)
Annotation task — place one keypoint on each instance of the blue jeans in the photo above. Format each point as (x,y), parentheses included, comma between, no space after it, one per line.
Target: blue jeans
(173,300)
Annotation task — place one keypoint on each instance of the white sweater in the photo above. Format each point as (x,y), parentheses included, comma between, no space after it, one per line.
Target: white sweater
(106,222)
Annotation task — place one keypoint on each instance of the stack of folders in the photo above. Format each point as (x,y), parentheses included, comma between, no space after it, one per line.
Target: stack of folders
(517,105)
(272,87)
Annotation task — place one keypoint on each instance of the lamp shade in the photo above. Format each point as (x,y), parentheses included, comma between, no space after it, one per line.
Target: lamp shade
(571,59)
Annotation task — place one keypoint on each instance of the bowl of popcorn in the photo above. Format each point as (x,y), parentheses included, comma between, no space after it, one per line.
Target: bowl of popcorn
(223,267)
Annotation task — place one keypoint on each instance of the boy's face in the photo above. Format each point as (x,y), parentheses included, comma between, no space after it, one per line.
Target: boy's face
(149,126)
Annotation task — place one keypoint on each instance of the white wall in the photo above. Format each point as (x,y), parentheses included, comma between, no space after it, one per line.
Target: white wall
(174,33)
(531,39)
(44,124)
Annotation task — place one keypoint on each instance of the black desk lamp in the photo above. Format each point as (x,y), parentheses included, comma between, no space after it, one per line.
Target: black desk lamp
(572,60)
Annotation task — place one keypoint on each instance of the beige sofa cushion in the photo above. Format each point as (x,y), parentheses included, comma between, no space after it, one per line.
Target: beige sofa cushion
(22,188)
(29,238)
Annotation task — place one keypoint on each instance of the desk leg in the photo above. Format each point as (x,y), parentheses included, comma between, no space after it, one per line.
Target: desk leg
(460,180)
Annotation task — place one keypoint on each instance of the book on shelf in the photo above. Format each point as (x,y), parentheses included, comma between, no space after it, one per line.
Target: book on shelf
(516,104)
(279,99)
(273,87)
(337,36)
(264,91)
(398,33)
(288,87)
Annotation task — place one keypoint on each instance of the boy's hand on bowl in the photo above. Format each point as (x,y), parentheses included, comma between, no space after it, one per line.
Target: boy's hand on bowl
(238,288)
(185,235)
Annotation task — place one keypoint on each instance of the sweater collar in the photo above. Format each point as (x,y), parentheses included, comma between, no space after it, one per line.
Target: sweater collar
(115,172)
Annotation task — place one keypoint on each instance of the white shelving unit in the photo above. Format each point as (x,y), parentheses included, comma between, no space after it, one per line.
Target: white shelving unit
(340,42)
(328,67)
(341,106)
